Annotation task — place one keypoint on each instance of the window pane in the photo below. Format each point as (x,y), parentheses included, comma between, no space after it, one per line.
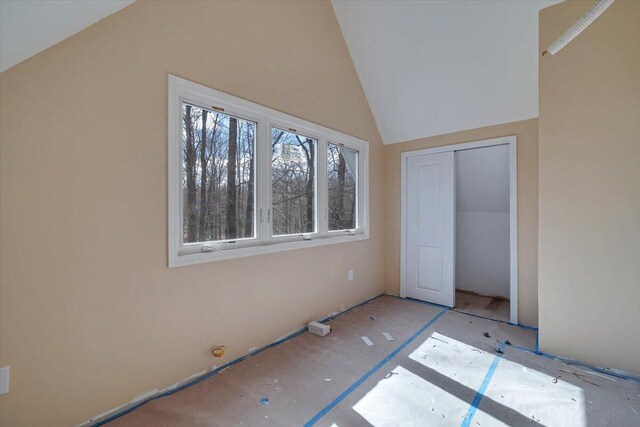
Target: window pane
(218,175)
(342,173)
(293,182)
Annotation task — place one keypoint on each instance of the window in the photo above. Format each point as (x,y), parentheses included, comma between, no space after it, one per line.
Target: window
(218,176)
(342,175)
(245,179)
(293,166)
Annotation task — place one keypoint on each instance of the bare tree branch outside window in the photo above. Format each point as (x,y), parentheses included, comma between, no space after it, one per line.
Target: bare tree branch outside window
(218,175)
(342,165)
(293,182)
(219,179)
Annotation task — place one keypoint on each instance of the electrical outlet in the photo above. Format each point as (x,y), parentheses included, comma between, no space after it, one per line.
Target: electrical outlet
(350,275)
(4,380)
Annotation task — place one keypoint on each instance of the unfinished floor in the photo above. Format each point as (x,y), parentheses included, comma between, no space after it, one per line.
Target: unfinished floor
(441,369)
(480,305)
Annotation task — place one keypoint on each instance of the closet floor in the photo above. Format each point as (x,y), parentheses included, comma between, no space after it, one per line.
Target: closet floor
(492,308)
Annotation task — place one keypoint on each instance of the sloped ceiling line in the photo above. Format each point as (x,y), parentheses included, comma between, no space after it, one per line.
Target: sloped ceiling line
(29,27)
(436,67)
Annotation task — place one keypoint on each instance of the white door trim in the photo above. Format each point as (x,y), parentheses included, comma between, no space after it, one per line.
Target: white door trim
(513,210)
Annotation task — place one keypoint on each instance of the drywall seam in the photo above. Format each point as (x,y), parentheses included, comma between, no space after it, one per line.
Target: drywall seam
(193,379)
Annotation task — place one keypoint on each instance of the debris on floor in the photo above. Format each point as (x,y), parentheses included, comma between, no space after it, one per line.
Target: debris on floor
(518,385)
(319,329)
(372,318)
(555,379)
(579,376)
(487,334)
(367,341)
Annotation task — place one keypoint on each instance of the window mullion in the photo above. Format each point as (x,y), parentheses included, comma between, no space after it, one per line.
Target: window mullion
(322,188)
(259,196)
(265,180)
(363,191)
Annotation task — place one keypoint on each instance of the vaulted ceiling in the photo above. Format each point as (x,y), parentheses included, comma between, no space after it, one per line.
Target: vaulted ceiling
(29,27)
(427,67)
(435,67)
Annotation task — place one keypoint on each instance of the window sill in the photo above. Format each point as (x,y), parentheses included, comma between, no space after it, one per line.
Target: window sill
(176,260)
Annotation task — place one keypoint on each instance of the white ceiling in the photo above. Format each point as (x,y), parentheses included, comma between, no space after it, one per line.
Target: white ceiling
(427,68)
(29,27)
(435,67)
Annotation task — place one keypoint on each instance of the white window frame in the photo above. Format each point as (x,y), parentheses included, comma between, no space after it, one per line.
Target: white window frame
(181,254)
(358,207)
(302,131)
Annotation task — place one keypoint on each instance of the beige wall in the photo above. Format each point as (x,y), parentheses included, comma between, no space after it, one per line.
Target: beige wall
(589,257)
(527,133)
(90,314)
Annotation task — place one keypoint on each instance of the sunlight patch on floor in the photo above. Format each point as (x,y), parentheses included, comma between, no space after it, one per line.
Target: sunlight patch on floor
(454,359)
(406,399)
(411,395)
(535,396)
(438,395)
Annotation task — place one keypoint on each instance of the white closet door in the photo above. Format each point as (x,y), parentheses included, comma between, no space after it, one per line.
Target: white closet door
(430,255)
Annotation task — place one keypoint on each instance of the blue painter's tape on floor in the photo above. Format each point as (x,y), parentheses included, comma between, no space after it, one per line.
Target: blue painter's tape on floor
(107,419)
(480,393)
(373,370)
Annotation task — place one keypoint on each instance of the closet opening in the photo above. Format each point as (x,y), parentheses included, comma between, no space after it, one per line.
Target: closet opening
(459,227)
(482,231)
